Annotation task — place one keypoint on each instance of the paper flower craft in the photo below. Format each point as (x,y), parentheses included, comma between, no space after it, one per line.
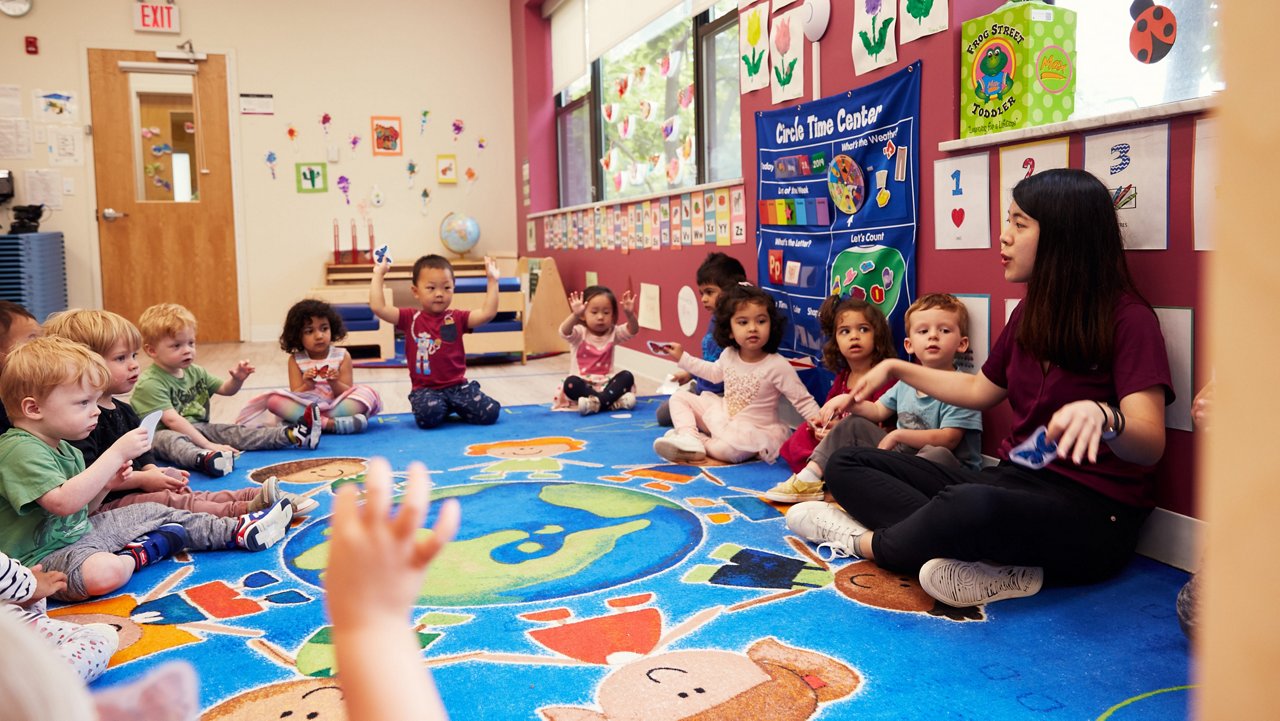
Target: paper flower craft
(344,184)
(271,162)
(324,122)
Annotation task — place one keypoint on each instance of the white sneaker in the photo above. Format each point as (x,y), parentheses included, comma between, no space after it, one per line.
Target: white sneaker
(625,402)
(827,525)
(302,505)
(970,583)
(588,405)
(680,447)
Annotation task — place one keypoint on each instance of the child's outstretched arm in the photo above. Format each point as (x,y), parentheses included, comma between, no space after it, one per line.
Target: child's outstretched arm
(575,314)
(376,567)
(89,485)
(490,309)
(628,304)
(377,299)
(239,374)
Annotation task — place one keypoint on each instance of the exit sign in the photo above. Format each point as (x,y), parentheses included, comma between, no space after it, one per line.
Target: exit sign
(149,18)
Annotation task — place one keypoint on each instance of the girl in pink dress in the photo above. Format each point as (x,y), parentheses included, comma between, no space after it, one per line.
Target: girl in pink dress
(592,330)
(319,372)
(744,423)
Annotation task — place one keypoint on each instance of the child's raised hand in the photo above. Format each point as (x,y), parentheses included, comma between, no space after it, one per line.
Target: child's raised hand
(377,561)
(243,370)
(47,583)
(380,268)
(491,268)
(576,305)
(121,477)
(627,301)
(132,444)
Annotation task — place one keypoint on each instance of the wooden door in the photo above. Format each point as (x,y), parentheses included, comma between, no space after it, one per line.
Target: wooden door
(162,250)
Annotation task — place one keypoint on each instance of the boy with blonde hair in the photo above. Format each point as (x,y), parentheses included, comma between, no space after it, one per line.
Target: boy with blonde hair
(117,340)
(50,387)
(17,325)
(176,385)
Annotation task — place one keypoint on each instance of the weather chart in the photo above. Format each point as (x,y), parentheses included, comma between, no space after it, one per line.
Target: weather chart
(838,203)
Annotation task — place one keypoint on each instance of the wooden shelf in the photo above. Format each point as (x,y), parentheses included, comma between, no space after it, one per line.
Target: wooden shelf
(349,273)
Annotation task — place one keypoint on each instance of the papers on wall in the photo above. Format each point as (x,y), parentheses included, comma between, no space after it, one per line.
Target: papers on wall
(1177,325)
(10,101)
(962,202)
(66,145)
(650,307)
(979,307)
(15,138)
(1134,165)
(1022,161)
(1205,186)
(42,187)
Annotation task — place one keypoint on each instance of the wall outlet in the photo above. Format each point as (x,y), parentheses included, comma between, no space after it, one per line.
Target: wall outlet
(68,186)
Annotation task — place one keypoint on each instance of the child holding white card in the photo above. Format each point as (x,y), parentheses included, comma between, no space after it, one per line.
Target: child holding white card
(592,331)
(117,340)
(1082,355)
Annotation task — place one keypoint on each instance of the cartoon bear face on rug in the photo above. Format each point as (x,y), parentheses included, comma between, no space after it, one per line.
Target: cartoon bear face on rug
(708,685)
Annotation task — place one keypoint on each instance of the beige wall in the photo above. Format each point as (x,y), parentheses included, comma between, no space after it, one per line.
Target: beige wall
(351,60)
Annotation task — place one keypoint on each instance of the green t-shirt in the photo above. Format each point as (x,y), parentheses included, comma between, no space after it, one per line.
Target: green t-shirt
(188,395)
(29,468)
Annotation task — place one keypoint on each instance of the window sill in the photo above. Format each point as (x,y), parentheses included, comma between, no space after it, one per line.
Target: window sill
(1125,117)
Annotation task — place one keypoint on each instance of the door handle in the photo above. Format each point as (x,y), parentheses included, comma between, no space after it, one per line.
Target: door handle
(111,214)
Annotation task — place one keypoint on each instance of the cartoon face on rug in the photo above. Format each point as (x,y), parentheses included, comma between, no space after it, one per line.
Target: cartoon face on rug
(535,457)
(313,470)
(316,699)
(712,684)
(866,583)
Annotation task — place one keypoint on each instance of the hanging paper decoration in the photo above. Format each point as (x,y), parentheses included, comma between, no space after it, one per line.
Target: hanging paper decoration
(458,127)
(648,110)
(686,150)
(161,149)
(189,127)
(376,197)
(788,68)
(292,132)
(918,18)
(670,64)
(471,175)
(873,45)
(152,132)
(426,200)
(162,183)
(675,170)
(422,124)
(271,162)
(480,143)
(611,160)
(611,112)
(324,123)
(412,170)
(638,173)
(670,127)
(657,162)
(344,184)
(152,168)
(753,47)
(627,127)
(640,75)
(617,182)
(685,96)
(621,85)
(353,141)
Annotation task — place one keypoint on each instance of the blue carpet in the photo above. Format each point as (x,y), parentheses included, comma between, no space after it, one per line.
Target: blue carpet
(589,575)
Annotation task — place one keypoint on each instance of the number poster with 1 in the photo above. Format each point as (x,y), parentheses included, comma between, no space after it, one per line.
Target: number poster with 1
(838,204)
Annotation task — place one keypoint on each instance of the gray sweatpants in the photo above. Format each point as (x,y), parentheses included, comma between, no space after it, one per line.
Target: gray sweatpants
(117,527)
(860,432)
(179,450)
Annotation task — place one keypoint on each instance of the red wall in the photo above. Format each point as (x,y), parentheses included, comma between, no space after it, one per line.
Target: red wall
(1169,278)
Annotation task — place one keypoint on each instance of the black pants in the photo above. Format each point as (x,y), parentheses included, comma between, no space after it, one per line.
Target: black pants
(1008,514)
(620,383)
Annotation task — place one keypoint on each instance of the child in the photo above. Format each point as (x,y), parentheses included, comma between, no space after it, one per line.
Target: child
(376,567)
(50,387)
(17,325)
(176,385)
(743,423)
(716,273)
(117,341)
(592,332)
(86,648)
(937,329)
(319,372)
(858,337)
(433,342)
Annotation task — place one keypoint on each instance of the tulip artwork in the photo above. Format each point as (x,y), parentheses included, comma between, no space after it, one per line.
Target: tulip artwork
(782,41)
(753,39)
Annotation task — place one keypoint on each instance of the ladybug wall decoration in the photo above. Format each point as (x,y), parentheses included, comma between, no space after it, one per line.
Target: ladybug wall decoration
(1154,31)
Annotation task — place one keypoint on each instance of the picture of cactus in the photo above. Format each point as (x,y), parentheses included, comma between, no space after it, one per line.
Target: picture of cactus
(311,177)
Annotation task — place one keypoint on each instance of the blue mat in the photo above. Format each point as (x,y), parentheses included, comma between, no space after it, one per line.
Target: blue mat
(591,580)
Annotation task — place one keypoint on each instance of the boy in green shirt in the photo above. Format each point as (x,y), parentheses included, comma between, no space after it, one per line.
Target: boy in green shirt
(50,388)
(182,389)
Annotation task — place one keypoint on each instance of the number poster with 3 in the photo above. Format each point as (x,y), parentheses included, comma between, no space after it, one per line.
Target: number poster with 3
(838,203)
(1134,165)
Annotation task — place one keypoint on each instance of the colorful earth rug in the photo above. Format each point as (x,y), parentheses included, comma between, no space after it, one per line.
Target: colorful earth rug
(591,580)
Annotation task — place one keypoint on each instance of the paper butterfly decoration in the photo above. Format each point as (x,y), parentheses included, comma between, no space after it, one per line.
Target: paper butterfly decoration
(1035,452)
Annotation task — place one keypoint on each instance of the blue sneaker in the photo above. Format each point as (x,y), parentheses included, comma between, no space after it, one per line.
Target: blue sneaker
(261,530)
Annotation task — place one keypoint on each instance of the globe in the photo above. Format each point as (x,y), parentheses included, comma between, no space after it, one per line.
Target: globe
(459,233)
(532,541)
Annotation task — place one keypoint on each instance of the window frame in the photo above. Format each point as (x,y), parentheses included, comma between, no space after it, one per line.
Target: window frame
(706,28)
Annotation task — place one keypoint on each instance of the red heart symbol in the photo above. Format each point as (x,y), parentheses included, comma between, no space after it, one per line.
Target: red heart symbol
(957,216)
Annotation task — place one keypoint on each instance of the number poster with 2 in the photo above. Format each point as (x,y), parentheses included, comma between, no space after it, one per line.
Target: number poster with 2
(838,204)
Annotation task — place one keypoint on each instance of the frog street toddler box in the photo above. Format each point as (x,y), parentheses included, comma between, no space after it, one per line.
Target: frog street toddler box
(1017,68)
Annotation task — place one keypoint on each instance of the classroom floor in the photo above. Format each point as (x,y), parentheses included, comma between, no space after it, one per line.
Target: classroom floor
(510,384)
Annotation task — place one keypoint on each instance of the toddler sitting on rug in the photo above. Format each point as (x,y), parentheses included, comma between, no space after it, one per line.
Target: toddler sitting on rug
(592,331)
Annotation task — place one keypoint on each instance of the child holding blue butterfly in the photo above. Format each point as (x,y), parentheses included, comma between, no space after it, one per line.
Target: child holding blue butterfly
(1083,357)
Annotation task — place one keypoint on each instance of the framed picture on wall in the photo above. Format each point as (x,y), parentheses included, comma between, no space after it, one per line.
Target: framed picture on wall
(385,132)
(311,177)
(446,169)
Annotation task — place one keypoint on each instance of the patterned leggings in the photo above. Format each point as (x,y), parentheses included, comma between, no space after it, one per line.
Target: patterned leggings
(87,648)
(575,388)
(432,405)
